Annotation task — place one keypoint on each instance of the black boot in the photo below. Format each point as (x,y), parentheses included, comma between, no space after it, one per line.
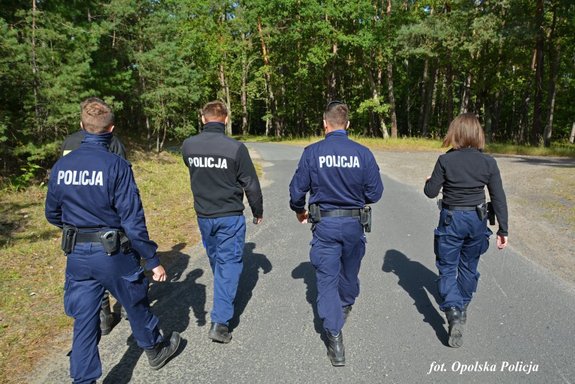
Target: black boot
(161,353)
(453,315)
(106,317)
(220,333)
(346,311)
(335,349)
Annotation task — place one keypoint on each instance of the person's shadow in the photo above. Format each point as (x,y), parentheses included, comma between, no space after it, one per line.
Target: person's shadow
(170,302)
(306,271)
(248,281)
(415,279)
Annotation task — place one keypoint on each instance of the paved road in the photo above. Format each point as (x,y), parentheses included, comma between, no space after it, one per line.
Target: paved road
(520,326)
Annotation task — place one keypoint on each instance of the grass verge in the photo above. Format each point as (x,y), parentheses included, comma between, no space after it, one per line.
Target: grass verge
(413,144)
(32,273)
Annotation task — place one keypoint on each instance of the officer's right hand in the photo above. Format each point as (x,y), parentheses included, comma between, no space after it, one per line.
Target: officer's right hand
(302,217)
(502,241)
(159,273)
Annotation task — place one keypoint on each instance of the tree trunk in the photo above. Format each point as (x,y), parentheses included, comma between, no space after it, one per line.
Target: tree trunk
(427,103)
(35,70)
(227,101)
(464,107)
(538,96)
(422,92)
(244,93)
(391,95)
(272,103)
(449,91)
(553,76)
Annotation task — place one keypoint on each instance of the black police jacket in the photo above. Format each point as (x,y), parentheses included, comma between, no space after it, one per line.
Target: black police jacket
(221,170)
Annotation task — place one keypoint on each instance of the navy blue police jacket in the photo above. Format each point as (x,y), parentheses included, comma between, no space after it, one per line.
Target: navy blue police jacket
(338,173)
(94,188)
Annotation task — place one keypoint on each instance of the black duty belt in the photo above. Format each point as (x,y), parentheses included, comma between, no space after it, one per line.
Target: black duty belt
(88,237)
(458,207)
(341,213)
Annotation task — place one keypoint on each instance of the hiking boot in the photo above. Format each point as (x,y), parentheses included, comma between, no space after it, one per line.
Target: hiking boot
(161,353)
(335,349)
(453,315)
(220,333)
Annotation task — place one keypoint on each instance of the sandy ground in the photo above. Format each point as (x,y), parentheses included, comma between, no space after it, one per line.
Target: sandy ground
(539,195)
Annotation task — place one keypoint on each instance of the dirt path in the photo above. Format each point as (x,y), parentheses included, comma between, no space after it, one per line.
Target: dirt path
(540,195)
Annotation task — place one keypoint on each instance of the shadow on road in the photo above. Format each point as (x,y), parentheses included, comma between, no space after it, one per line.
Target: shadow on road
(559,162)
(172,301)
(248,280)
(416,279)
(306,271)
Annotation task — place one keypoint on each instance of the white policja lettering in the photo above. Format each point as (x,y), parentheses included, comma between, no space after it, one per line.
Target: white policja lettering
(83,177)
(208,162)
(339,161)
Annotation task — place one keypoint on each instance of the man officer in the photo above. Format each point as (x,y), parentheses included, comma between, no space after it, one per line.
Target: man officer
(341,176)
(93,197)
(221,170)
(72,142)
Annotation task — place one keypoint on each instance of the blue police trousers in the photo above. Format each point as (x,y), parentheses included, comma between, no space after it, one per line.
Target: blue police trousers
(224,239)
(460,238)
(89,271)
(337,248)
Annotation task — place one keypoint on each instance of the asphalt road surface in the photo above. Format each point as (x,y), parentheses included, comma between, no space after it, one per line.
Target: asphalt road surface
(520,326)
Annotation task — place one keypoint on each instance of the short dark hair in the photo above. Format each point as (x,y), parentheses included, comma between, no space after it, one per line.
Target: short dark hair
(96,115)
(337,114)
(215,111)
(465,132)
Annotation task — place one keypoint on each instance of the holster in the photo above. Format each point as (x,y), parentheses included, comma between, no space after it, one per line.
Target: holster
(314,214)
(365,218)
(68,238)
(481,210)
(114,241)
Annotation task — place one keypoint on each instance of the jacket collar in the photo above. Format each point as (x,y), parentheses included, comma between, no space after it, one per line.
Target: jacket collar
(338,133)
(214,127)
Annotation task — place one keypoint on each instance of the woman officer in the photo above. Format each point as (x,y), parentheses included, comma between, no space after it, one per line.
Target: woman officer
(462,234)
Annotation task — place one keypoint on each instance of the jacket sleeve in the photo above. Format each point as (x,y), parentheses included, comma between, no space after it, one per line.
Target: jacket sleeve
(53,206)
(434,184)
(498,198)
(248,179)
(128,204)
(373,188)
(300,184)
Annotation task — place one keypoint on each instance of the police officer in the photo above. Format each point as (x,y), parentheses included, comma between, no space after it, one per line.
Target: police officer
(341,176)
(462,235)
(72,142)
(93,197)
(221,170)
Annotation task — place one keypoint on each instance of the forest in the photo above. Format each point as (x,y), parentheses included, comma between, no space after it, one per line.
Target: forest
(405,67)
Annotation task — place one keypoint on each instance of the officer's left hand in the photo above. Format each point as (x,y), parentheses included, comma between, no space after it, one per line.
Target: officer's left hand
(159,273)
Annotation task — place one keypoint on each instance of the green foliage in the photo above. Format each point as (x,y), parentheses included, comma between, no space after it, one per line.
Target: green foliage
(276,63)
(27,174)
